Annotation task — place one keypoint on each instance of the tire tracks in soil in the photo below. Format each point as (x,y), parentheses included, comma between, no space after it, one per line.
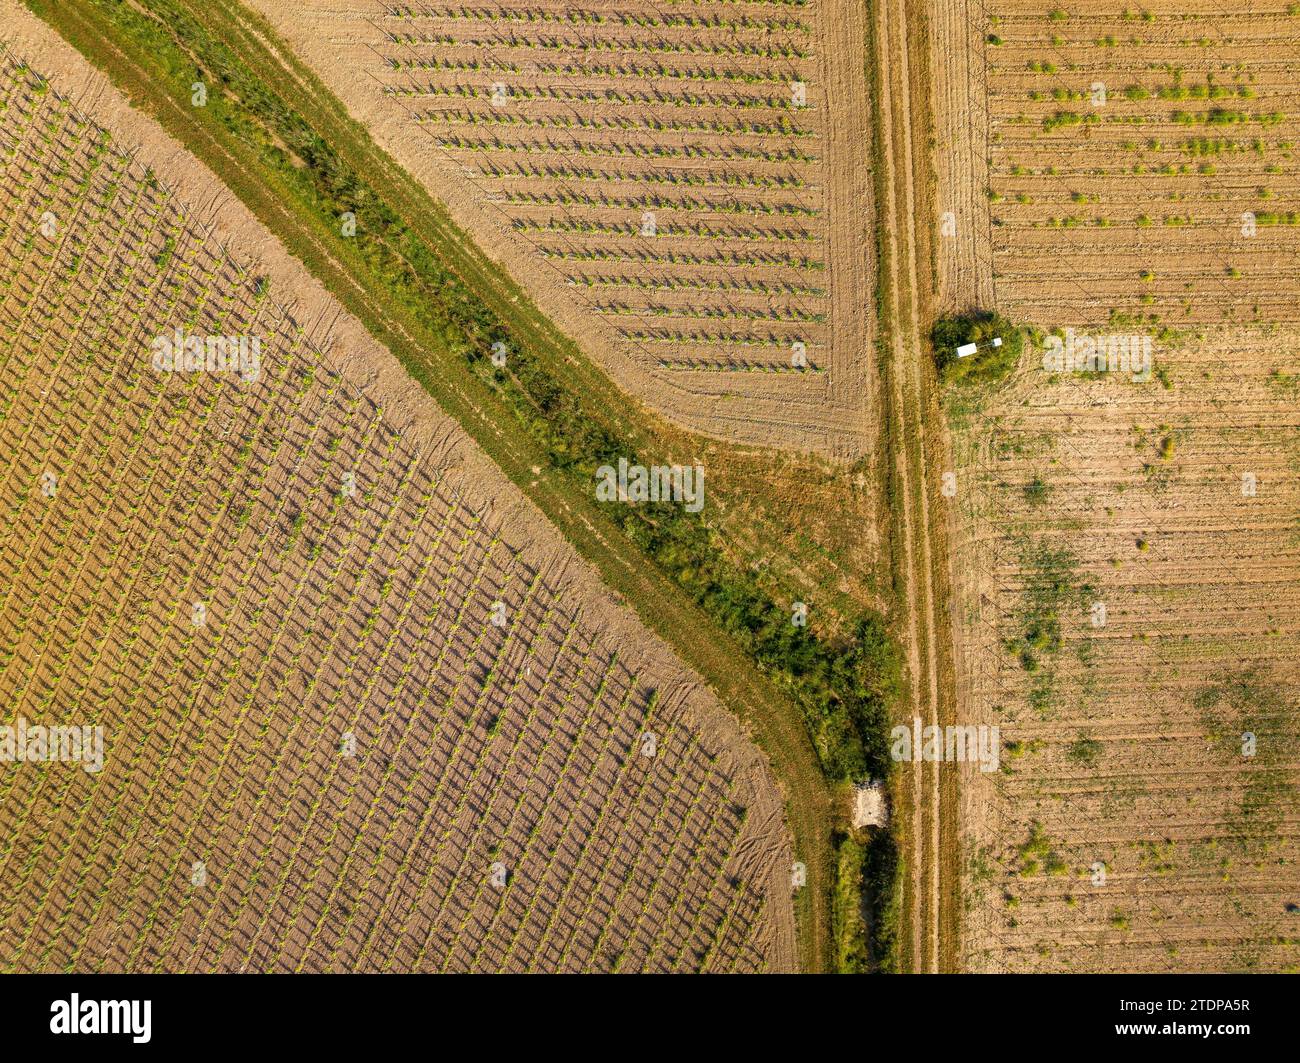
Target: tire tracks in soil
(930,902)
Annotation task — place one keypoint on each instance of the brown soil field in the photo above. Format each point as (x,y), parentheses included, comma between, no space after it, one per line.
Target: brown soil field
(680,188)
(1133,160)
(1128,571)
(362,709)
(1125,602)
(963,266)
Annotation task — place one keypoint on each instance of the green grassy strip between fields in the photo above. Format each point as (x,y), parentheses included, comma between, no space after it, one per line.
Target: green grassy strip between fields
(883,871)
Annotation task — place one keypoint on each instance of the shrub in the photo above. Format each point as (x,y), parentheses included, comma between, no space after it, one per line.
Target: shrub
(989,364)
(1036,491)
(1084,750)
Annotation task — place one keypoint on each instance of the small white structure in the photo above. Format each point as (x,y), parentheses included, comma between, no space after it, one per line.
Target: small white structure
(967,349)
(870,807)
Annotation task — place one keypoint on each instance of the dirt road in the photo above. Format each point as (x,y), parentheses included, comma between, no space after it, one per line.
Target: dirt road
(900,54)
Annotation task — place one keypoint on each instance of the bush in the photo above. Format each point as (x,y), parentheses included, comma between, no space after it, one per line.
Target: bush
(852,950)
(1036,491)
(882,875)
(1085,750)
(989,364)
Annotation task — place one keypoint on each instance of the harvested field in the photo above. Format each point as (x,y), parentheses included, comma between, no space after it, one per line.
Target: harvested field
(1128,569)
(361,710)
(670,185)
(1125,609)
(963,266)
(1139,161)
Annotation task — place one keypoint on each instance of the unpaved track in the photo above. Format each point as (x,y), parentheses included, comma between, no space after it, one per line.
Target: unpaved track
(930,899)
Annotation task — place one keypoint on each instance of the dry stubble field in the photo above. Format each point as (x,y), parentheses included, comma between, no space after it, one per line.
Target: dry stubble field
(679,185)
(1143,160)
(1126,829)
(1123,731)
(351,721)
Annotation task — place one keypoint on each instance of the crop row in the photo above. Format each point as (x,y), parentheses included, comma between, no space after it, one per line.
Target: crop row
(578,17)
(698,337)
(654,202)
(692,178)
(744,285)
(769,50)
(504,94)
(690,230)
(781,127)
(617,70)
(738,366)
(616,149)
(681,258)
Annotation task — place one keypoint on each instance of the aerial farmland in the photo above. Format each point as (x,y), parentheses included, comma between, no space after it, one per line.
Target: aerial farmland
(243,590)
(703,486)
(663,178)
(1125,526)
(1128,621)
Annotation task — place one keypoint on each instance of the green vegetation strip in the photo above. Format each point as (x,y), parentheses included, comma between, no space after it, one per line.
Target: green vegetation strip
(1052,589)
(883,876)
(422,288)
